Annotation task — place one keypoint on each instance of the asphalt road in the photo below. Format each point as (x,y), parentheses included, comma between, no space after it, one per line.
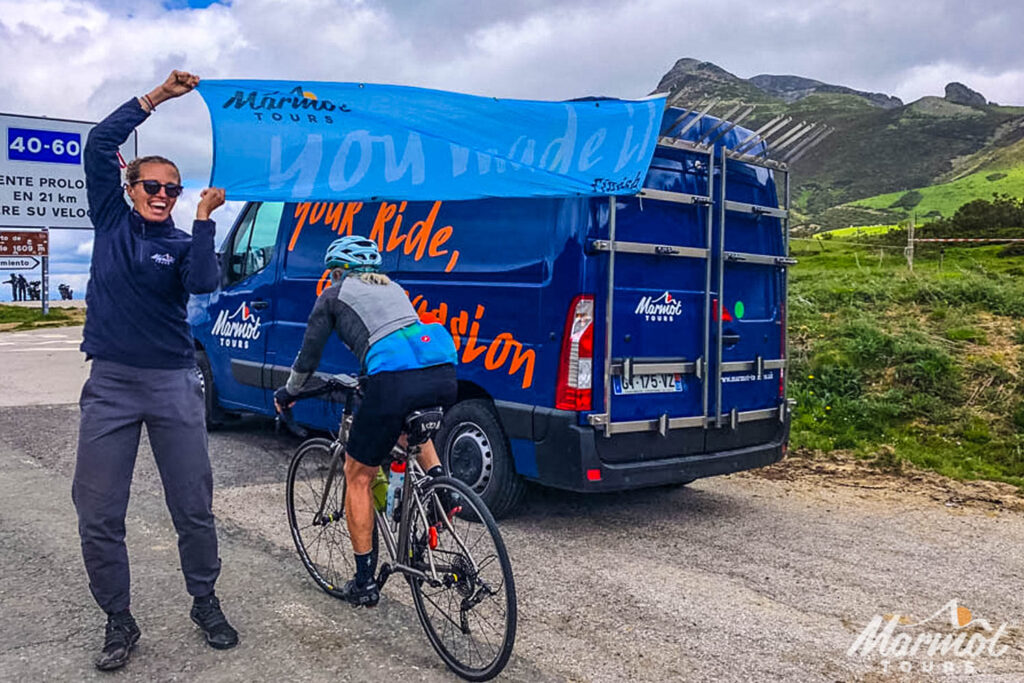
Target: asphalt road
(738,578)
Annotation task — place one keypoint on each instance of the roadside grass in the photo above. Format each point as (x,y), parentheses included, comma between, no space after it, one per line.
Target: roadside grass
(924,367)
(17,318)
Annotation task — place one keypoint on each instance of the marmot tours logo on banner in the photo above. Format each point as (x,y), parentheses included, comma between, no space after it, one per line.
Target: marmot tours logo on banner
(951,641)
(664,309)
(297,106)
(238,329)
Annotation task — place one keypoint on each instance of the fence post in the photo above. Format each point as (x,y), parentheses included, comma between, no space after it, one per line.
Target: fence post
(910,245)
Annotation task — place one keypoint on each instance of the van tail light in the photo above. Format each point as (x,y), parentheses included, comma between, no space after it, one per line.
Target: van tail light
(576,365)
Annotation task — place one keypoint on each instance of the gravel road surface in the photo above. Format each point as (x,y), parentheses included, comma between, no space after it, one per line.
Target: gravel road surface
(752,577)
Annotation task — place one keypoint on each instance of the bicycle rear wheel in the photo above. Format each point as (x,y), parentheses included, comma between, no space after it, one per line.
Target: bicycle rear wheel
(470,619)
(324,544)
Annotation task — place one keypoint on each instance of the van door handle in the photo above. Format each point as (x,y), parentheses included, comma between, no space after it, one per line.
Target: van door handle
(730,339)
(260,305)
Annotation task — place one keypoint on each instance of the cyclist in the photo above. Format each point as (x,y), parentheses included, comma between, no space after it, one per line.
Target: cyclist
(407,365)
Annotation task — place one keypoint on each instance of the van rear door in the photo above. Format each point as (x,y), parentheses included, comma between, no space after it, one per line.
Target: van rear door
(696,331)
(748,314)
(657,282)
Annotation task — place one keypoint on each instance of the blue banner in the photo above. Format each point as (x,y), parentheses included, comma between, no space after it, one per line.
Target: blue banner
(288,141)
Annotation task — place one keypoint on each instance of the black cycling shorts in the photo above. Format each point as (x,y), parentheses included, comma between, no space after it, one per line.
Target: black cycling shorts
(388,398)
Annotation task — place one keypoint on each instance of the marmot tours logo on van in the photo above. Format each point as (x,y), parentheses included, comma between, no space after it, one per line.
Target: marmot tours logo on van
(951,641)
(664,309)
(297,105)
(238,329)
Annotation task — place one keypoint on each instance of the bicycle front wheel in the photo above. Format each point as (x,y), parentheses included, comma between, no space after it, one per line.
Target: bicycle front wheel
(470,617)
(316,515)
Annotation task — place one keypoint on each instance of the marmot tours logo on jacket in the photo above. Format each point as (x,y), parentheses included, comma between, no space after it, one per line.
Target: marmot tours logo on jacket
(664,309)
(297,105)
(238,329)
(163,259)
(951,641)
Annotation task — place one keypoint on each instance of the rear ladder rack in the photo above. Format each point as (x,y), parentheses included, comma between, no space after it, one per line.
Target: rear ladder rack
(788,146)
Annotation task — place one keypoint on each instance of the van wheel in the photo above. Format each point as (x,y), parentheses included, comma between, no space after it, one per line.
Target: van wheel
(473,448)
(214,415)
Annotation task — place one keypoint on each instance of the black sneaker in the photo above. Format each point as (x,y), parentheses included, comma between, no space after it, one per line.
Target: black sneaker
(361,595)
(207,615)
(121,635)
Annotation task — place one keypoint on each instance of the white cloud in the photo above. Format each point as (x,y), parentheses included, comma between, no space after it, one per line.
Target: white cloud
(79,58)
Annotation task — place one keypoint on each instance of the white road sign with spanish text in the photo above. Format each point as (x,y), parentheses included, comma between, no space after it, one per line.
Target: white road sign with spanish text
(42,177)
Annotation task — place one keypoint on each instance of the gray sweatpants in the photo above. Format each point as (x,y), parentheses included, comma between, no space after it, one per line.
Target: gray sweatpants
(116,400)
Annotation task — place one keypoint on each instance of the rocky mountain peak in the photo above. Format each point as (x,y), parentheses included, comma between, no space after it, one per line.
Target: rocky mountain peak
(694,79)
(793,88)
(958,93)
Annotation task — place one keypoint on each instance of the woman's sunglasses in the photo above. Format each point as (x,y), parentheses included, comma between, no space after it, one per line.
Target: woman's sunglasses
(153,187)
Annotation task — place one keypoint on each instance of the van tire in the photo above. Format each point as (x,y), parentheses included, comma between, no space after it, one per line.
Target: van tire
(214,415)
(473,448)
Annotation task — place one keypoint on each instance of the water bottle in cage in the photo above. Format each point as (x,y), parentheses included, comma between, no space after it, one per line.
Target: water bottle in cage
(395,482)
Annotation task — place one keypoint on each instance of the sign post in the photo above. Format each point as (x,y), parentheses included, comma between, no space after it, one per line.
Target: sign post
(42,186)
(44,285)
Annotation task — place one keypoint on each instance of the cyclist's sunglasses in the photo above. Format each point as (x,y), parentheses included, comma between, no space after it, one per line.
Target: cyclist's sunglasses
(153,187)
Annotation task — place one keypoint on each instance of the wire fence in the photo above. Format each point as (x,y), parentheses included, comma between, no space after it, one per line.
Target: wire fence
(906,252)
(844,242)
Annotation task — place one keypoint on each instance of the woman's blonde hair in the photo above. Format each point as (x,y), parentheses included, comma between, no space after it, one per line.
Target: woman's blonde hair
(134,168)
(370,278)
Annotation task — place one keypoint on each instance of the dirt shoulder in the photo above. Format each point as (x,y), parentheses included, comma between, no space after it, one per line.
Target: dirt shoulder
(807,470)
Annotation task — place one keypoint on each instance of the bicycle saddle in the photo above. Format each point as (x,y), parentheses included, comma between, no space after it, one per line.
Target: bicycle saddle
(422,424)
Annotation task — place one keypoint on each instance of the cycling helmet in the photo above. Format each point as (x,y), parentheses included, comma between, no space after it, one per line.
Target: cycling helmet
(353,253)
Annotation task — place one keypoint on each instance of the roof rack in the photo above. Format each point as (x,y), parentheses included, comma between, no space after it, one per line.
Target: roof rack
(777,144)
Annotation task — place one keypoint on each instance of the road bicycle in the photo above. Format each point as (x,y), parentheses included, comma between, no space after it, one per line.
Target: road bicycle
(440,536)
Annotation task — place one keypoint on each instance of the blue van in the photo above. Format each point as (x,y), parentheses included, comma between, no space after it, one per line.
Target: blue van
(604,343)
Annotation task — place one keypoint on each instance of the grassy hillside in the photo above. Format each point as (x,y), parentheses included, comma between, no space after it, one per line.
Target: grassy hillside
(875,151)
(909,147)
(943,200)
(925,367)
(857,231)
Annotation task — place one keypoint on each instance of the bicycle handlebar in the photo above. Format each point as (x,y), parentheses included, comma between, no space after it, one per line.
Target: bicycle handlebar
(334,384)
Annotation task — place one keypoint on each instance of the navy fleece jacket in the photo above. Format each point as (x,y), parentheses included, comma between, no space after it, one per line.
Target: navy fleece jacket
(142,273)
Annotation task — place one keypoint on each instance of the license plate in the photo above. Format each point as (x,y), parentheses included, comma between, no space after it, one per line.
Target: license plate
(648,384)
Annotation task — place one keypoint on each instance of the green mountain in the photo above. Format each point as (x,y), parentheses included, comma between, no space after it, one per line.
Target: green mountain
(881,149)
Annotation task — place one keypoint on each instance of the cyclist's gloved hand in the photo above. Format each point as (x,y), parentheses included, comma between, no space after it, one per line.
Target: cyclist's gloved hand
(283,399)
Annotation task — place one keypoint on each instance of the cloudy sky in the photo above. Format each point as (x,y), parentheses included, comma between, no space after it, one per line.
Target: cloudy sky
(79,59)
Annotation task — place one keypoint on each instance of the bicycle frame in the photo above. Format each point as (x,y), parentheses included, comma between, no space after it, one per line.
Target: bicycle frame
(398,546)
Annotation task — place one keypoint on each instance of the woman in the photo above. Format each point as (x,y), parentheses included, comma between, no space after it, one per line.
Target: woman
(140,344)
